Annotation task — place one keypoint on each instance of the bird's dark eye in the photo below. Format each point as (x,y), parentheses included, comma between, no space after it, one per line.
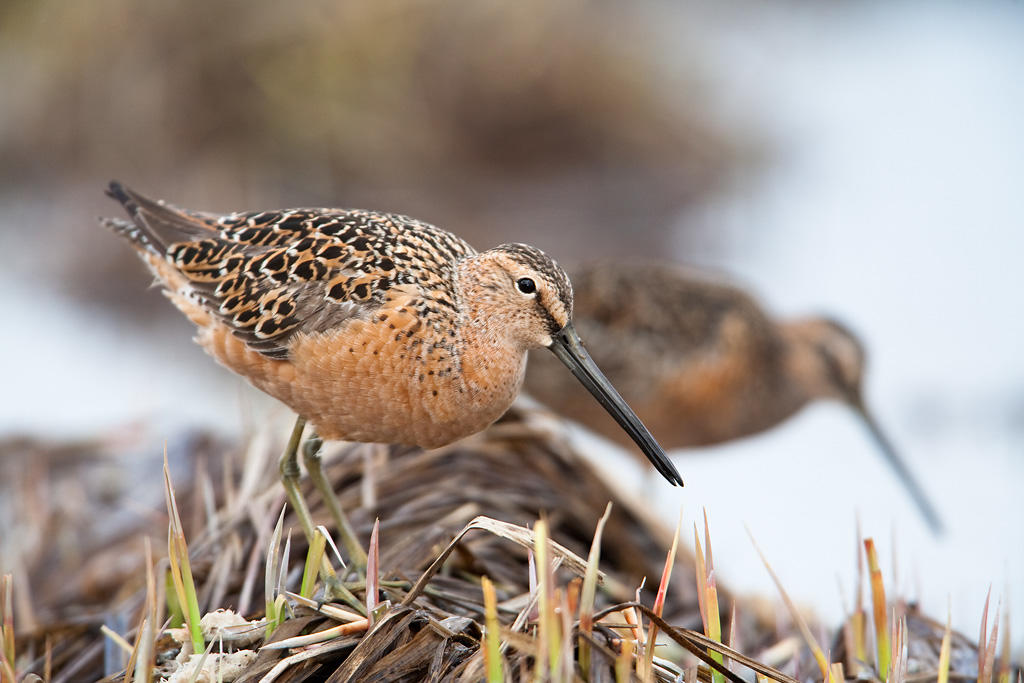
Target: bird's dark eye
(526,285)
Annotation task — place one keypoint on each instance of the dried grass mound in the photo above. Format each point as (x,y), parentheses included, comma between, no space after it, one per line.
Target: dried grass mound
(482,566)
(518,472)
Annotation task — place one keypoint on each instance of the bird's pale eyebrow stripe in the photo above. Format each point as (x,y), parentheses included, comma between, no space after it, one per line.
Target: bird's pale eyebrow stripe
(545,265)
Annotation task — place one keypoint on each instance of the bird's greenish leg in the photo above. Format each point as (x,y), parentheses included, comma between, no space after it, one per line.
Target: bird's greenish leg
(311,455)
(290,478)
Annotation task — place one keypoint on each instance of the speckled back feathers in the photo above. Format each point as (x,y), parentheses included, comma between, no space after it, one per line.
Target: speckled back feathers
(268,274)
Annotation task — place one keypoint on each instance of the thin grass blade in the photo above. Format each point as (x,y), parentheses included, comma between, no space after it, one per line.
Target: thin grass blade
(7,673)
(944,650)
(624,662)
(492,638)
(311,570)
(985,672)
(373,571)
(983,636)
(589,593)
(181,569)
(273,566)
(1003,671)
(659,599)
(701,571)
(548,636)
(859,619)
(145,643)
(805,631)
(714,623)
(879,608)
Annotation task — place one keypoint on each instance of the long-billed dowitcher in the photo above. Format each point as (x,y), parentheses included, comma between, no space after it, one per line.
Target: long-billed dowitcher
(701,362)
(375,327)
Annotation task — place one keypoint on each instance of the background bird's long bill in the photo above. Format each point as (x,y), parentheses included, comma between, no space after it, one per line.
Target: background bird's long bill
(567,346)
(906,477)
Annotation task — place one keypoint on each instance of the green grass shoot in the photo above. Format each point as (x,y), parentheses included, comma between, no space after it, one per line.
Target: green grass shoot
(181,569)
(314,558)
(274,615)
(492,636)
(707,592)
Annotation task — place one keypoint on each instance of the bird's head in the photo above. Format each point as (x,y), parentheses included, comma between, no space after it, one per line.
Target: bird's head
(520,293)
(829,359)
(522,296)
(830,363)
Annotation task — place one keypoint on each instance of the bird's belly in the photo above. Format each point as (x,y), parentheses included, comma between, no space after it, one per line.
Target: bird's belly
(368,382)
(717,403)
(674,423)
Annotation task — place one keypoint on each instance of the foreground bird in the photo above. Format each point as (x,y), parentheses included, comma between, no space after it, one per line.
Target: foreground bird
(375,327)
(701,362)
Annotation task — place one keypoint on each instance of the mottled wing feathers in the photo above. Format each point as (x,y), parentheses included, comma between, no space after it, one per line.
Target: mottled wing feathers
(268,275)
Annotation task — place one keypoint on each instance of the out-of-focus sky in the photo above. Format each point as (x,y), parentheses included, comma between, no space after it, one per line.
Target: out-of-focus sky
(863,159)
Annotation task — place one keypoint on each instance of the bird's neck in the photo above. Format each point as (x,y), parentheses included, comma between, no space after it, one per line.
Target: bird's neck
(493,363)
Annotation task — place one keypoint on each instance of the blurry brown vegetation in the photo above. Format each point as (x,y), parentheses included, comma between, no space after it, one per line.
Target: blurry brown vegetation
(562,124)
(72,513)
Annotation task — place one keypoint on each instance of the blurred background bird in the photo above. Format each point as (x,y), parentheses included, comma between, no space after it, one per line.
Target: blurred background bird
(702,362)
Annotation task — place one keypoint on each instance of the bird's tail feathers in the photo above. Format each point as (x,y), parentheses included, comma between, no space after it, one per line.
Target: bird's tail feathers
(154,225)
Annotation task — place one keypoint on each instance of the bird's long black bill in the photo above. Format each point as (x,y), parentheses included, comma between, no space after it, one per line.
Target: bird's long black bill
(567,346)
(902,471)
